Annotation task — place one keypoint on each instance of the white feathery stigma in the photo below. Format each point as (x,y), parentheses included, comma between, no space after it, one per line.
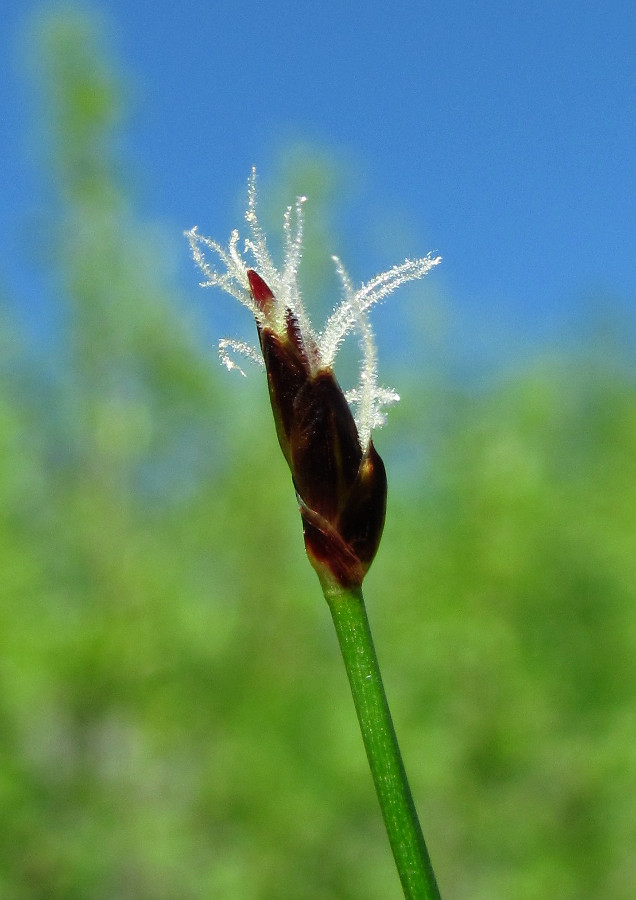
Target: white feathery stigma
(368,399)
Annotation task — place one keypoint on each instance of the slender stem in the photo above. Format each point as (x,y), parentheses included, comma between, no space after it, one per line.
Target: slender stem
(383,752)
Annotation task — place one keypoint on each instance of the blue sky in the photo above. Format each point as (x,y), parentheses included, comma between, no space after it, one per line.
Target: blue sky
(501,135)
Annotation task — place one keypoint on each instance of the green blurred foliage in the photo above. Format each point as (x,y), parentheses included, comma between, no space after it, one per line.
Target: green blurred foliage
(175,719)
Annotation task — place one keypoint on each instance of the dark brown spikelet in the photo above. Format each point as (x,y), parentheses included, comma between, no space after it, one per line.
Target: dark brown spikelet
(341,490)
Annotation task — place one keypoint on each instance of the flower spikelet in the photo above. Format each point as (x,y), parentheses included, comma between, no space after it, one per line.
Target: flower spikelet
(339,478)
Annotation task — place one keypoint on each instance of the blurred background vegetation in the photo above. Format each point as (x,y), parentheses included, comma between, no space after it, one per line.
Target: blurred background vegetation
(174,715)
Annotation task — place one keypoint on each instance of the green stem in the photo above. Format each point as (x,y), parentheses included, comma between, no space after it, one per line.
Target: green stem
(383,752)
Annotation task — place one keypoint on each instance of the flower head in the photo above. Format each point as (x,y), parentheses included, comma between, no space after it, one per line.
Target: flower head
(339,477)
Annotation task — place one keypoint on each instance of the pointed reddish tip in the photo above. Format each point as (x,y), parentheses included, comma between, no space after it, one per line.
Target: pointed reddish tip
(260,291)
